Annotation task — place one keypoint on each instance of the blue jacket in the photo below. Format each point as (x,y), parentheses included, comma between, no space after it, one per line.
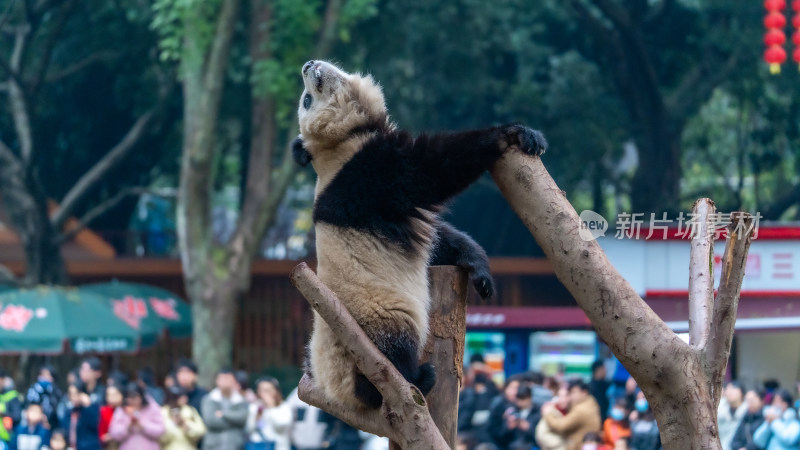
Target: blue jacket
(88,435)
(780,434)
(26,439)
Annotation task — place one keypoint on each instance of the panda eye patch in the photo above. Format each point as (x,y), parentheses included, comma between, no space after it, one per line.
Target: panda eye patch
(307,101)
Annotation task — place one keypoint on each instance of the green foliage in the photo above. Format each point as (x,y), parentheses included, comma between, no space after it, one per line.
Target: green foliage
(294,33)
(184,21)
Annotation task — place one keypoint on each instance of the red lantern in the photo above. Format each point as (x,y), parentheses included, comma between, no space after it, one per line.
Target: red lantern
(796,20)
(775,56)
(774,5)
(796,38)
(775,19)
(774,36)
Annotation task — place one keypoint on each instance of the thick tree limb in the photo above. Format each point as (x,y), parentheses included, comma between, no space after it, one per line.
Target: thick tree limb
(619,315)
(701,272)
(740,234)
(101,168)
(404,416)
(681,382)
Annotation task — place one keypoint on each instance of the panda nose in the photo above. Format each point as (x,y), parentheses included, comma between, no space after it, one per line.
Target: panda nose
(307,66)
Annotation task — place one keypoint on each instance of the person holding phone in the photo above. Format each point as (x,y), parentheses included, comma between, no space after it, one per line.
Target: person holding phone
(138,425)
(270,419)
(184,426)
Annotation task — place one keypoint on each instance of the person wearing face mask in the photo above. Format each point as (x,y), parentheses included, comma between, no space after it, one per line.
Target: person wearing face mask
(616,426)
(781,429)
(644,430)
(730,413)
(46,394)
(10,407)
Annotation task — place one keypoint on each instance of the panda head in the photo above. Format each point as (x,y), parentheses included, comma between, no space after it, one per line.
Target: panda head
(335,105)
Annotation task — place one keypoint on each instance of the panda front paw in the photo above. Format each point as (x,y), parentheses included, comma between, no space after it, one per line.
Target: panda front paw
(528,140)
(484,284)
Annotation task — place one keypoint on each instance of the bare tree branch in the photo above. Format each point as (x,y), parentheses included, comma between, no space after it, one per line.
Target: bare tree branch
(49,44)
(740,234)
(106,55)
(101,168)
(17,97)
(701,273)
(404,415)
(698,84)
(104,207)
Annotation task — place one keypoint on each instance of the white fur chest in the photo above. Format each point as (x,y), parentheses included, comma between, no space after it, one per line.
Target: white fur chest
(373,279)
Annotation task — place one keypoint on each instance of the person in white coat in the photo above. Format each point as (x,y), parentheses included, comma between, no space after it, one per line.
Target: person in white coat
(732,410)
(270,418)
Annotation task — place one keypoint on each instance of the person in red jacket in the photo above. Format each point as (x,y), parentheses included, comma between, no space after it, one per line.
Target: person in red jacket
(113,401)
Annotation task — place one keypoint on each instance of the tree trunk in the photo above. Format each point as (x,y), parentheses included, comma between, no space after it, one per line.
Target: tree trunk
(214,316)
(654,187)
(445,346)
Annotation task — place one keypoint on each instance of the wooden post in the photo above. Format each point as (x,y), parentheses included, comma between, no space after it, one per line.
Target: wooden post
(445,347)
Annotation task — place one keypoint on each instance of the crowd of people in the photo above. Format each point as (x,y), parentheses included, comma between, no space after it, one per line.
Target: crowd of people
(115,411)
(550,413)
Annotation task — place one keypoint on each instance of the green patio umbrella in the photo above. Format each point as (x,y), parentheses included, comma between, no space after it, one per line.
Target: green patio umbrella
(147,305)
(51,320)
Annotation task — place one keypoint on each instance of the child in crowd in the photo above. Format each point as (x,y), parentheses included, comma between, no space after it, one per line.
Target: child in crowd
(34,435)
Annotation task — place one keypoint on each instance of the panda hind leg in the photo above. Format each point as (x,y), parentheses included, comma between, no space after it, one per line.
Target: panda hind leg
(401,350)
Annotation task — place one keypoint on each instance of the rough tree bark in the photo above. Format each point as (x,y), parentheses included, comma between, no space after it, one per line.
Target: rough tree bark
(217,273)
(681,381)
(405,417)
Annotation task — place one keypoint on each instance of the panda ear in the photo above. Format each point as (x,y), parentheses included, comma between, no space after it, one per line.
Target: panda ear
(300,154)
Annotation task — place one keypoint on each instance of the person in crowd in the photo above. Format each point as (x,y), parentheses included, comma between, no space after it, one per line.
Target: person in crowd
(552,385)
(583,415)
(519,426)
(592,441)
(743,438)
(500,405)
(243,380)
(644,430)
(117,378)
(473,405)
(83,420)
(308,430)
(138,425)
(224,412)
(339,435)
(622,444)
(10,407)
(546,438)
(781,428)
(730,413)
(35,434)
(45,393)
(90,372)
(186,376)
(541,394)
(598,387)
(58,440)
(184,426)
(770,387)
(617,426)
(486,446)
(466,441)
(373,442)
(147,380)
(64,407)
(169,380)
(270,418)
(114,400)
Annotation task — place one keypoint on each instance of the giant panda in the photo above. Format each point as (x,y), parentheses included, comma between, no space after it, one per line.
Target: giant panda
(378,197)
